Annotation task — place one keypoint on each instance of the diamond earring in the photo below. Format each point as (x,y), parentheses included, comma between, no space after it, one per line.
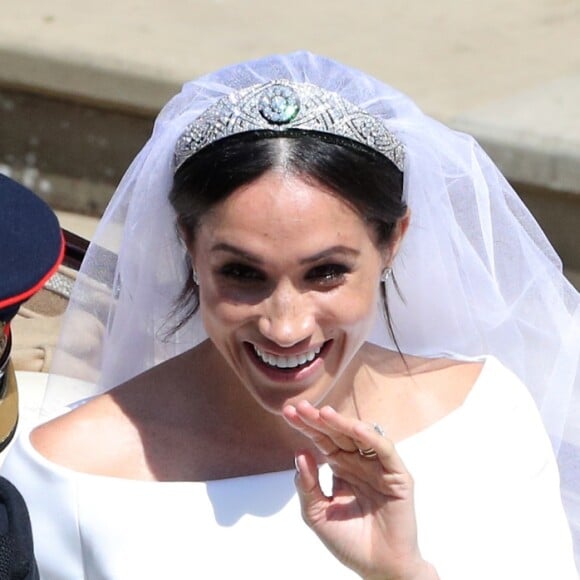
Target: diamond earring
(385,274)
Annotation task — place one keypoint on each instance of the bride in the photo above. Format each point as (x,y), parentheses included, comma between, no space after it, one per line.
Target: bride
(308,303)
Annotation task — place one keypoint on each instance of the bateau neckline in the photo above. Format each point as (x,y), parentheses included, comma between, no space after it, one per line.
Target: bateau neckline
(64,471)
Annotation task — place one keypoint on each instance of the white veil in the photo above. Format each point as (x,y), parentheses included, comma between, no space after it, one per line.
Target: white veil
(476,272)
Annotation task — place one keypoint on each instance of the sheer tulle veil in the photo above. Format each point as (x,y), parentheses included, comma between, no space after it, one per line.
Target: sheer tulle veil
(476,273)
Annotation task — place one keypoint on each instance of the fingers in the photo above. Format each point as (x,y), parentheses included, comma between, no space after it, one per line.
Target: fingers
(340,438)
(307,419)
(387,455)
(313,502)
(367,475)
(332,432)
(386,473)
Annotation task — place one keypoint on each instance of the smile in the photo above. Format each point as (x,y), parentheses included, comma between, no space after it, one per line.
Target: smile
(287,362)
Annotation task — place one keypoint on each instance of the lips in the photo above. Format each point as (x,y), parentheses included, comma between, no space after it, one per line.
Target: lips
(287,362)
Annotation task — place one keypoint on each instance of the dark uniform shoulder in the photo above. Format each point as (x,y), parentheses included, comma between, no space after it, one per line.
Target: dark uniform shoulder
(31,250)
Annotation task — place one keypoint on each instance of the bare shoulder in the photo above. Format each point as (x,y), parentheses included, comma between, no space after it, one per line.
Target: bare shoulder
(421,390)
(141,429)
(447,380)
(82,439)
(461,373)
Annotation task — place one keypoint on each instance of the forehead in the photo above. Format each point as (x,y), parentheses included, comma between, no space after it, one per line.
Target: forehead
(284,206)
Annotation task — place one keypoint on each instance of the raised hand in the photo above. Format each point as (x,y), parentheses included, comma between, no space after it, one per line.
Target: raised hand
(369,522)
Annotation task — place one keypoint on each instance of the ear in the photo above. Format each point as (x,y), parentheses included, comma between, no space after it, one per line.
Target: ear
(184,235)
(398,234)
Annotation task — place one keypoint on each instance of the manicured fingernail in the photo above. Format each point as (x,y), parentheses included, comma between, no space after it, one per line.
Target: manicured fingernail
(296,465)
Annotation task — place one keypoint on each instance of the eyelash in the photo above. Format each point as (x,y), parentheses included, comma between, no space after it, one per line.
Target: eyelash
(241,273)
(326,274)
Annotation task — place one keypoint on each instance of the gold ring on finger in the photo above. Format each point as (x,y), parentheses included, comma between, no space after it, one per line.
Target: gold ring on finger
(369,453)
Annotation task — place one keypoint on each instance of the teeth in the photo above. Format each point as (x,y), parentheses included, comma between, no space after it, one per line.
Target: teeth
(287,362)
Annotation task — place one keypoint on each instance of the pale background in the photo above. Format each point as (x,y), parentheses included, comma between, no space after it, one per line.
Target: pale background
(80,82)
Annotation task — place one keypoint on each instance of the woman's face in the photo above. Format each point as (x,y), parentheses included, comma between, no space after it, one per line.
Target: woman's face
(289,280)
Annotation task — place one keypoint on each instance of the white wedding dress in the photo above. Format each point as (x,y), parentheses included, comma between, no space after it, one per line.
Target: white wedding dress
(487,501)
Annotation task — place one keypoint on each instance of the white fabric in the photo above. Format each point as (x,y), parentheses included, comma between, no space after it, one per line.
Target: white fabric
(476,272)
(487,502)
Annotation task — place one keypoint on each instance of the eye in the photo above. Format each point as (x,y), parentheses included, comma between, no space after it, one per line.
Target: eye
(328,274)
(241,273)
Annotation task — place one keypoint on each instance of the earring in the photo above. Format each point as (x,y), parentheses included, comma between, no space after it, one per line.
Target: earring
(195,277)
(385,274)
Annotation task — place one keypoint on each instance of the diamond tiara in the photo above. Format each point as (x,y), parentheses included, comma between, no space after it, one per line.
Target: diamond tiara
(287,106)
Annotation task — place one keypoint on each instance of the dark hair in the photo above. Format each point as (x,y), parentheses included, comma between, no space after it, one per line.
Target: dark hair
(368,181)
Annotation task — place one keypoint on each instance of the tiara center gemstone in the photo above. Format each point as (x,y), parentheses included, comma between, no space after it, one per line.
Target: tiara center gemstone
(279,104)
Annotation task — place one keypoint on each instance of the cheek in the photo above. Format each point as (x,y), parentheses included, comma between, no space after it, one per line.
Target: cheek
(224,310)
(360,312)
(216,312)
(352,309)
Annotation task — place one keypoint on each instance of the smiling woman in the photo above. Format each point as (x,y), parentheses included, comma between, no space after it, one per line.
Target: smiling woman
(296,284)
(287,268)
(302,277)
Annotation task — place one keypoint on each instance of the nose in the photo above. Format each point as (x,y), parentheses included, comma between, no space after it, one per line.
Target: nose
(287,316)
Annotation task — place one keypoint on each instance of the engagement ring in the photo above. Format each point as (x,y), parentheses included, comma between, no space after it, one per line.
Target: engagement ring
(370,453)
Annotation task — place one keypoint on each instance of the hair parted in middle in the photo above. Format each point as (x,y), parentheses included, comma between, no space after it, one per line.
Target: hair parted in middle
(367,181)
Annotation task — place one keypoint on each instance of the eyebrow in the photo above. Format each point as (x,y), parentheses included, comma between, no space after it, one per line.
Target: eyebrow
(333,251)
(223,247)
